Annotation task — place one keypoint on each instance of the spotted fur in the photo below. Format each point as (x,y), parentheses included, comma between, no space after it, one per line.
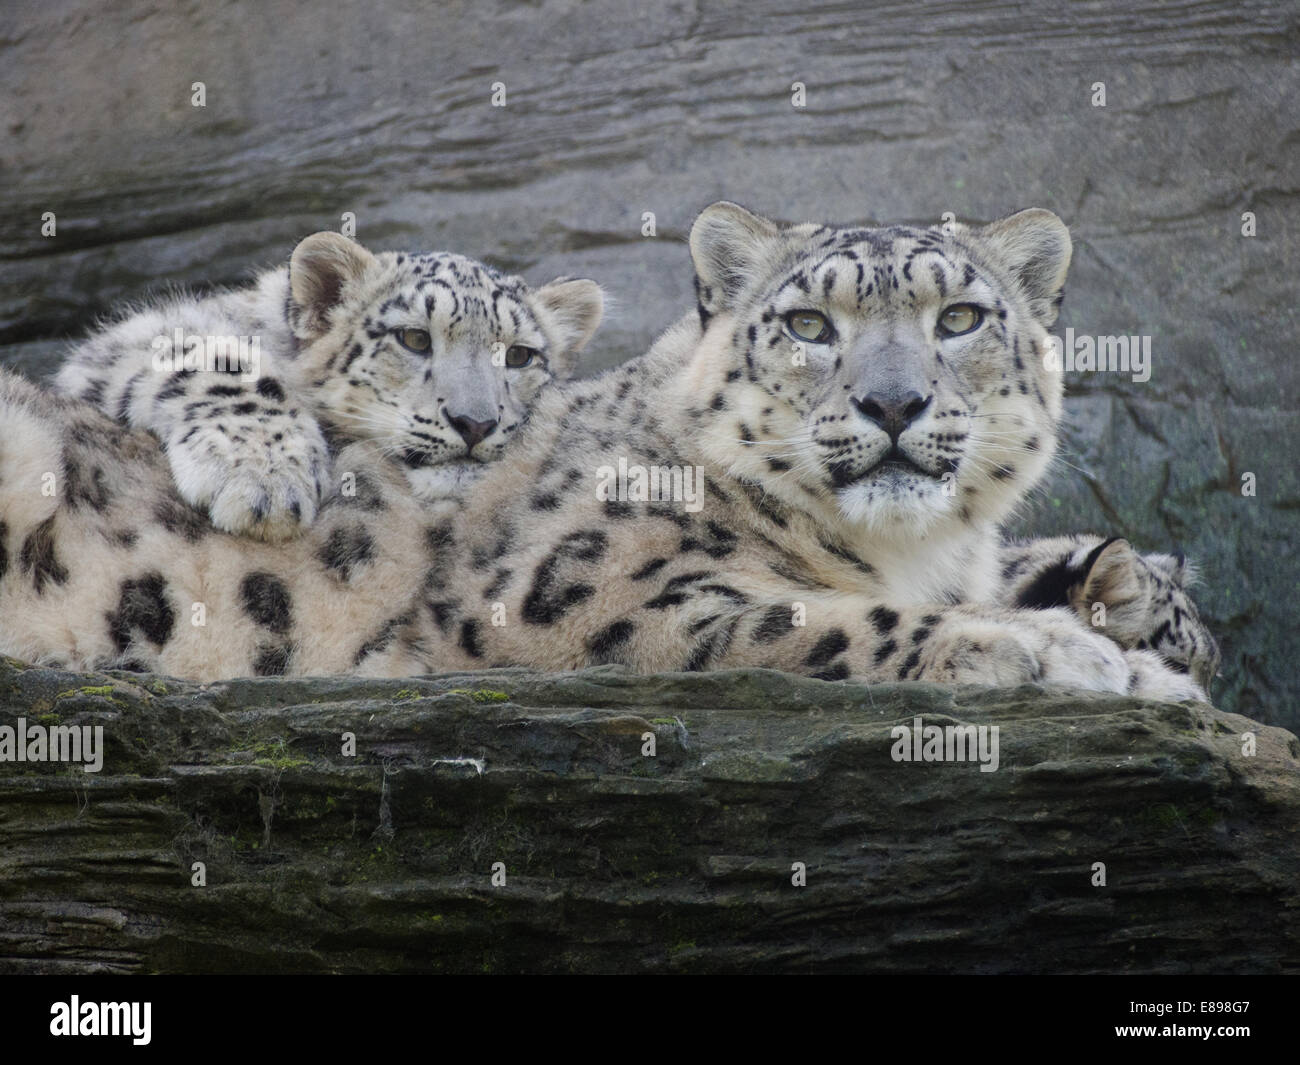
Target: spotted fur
(852,489)
(250,443)
(1140,601)
(106,563)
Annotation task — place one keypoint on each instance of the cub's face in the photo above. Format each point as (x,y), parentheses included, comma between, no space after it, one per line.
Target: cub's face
(895,374)
(1148,606)
(437,357)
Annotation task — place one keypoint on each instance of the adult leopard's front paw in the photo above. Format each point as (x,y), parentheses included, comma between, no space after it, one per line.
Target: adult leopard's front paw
(1150,677)
(1040,647)
(271,492)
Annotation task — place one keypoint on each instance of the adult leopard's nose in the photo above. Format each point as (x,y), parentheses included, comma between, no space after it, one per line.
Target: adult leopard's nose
(893,411)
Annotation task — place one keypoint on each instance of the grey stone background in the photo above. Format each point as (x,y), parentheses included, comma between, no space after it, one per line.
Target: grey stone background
(616,108)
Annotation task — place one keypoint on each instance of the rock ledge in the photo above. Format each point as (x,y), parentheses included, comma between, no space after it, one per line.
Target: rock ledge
(618,862)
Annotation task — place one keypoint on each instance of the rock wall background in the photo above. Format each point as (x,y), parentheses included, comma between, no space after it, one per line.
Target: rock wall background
(617,108)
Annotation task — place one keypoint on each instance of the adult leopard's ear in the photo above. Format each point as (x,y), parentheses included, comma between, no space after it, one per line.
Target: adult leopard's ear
(1035,246)
(730,247)
(320,268)
(574,309)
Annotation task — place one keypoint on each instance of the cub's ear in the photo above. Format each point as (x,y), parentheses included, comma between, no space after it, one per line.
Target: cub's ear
(320,268)
(730,246)
(1112,577)
(1111,573)
(1177,567)
(1035,245)
(574,309)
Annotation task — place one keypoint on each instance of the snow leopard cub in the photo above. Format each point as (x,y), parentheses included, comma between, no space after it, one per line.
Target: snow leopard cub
(436,357)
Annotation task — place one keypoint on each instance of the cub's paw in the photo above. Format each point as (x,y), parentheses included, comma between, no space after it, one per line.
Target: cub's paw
(1040,647)
(268,505)
(264,488)
(1150,677)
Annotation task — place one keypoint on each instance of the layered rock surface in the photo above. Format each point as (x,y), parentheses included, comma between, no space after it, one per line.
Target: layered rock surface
(616,860)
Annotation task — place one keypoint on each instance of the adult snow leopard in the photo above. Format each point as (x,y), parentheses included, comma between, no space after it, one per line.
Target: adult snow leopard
(859,409)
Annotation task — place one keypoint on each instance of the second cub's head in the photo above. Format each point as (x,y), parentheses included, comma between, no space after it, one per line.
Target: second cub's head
(892,377)
(436,357)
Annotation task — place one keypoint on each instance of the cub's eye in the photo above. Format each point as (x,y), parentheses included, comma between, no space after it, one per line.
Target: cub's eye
(416,340)
(960,318)
(518,356)
(810,326)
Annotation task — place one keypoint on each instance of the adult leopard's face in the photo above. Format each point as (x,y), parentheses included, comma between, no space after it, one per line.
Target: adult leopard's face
(437,357)
(896,374)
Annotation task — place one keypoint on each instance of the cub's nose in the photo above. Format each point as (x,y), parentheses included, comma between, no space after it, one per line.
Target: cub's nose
(893,412)
(471,430)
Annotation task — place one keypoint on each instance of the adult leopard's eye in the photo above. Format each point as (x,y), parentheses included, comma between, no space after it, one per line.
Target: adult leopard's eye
(811,326)
(518,356)
(960,318)
(416,340)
